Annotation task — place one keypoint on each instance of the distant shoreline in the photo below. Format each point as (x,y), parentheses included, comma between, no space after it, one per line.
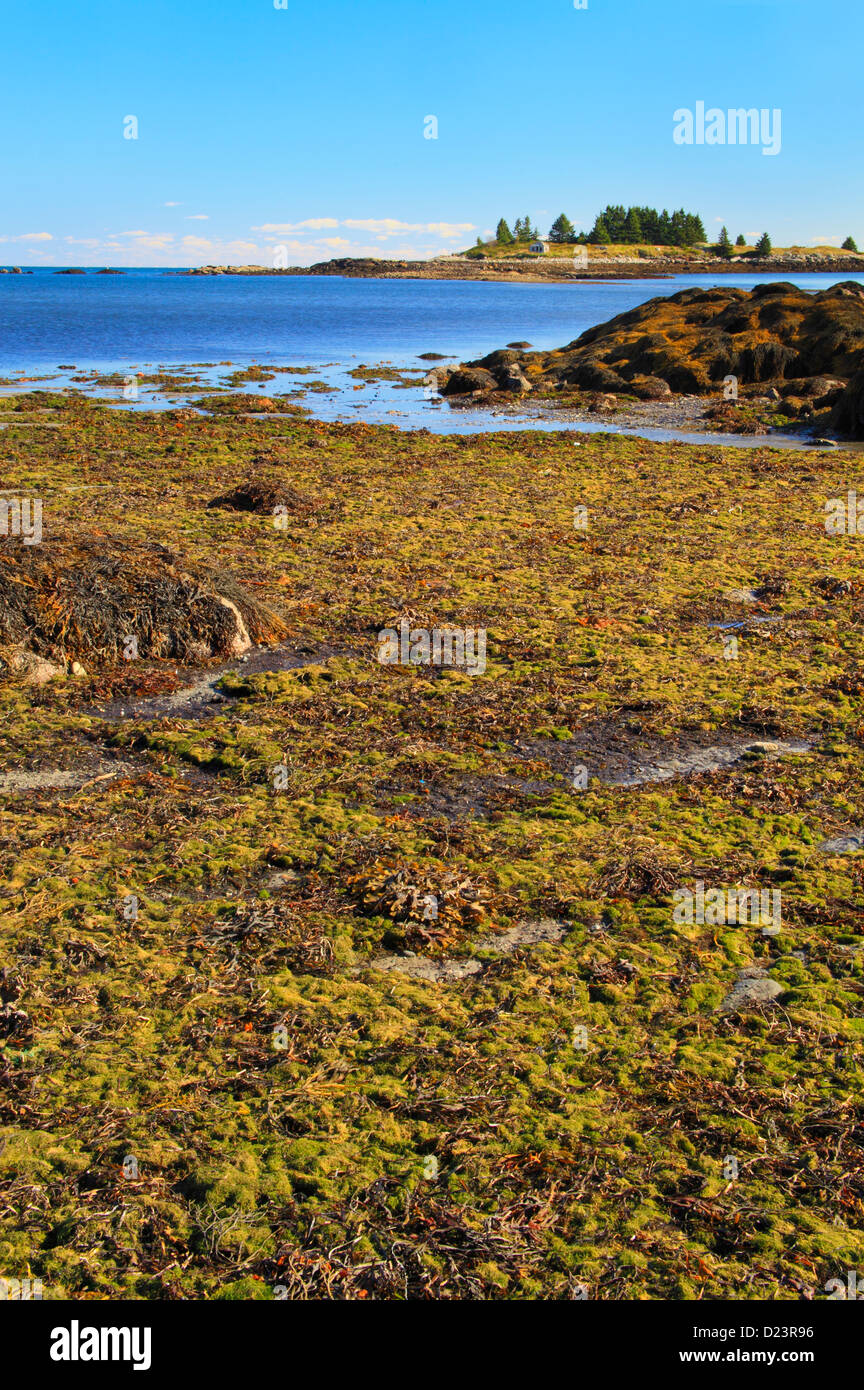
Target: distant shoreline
(545,269)
(504,270)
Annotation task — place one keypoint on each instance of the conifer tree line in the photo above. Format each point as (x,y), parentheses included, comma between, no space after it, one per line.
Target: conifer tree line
(614,224)
(631,226)
(627,226)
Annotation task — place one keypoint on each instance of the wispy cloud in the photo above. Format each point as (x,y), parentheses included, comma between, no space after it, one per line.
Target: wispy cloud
(29,236)
(311,224)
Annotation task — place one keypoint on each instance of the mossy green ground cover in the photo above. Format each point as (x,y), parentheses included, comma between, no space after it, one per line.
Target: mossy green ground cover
(301,1120)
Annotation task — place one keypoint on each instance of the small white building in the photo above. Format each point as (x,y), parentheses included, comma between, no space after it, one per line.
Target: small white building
(539,248)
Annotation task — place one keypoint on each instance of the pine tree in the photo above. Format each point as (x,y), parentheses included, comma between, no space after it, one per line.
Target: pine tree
(740,239)
(525,231)
(763,245)
(724,245)
(849,244)
(503,234)
(632,233)
(600,233)
(696,229)
(562,231)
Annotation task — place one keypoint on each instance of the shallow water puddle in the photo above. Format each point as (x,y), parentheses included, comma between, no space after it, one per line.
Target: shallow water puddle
(199,697)
(613,756)
(62,779)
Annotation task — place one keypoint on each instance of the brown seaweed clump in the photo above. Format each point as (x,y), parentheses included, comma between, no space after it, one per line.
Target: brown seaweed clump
(96,599)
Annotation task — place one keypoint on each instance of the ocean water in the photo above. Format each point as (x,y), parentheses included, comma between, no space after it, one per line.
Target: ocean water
(146,319)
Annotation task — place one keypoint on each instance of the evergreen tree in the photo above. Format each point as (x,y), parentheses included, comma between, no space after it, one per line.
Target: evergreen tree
(632,233)
(600,233)
(503,234)
(517,230)
(724,245)
(562,231)
(763,245)
(695,229)
(740,239)
(644,224)
(849,244)
(524,230)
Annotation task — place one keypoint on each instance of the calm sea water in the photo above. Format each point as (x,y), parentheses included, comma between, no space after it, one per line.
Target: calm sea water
(144,319)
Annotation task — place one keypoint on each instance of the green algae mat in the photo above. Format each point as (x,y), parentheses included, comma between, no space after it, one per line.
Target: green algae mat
(330,976)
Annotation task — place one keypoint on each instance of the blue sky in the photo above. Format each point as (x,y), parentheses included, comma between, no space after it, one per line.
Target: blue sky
(303,127)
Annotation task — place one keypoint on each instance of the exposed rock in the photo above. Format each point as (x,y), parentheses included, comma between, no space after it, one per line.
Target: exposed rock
(527,933)
(514,379)
(30,668)
(466,380)
(794,406)
(753,989)
(422,968)
(691,341)
(850,843)
(650,388)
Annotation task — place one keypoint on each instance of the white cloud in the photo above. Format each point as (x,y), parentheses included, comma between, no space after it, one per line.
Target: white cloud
(389,226)
(378,226)
(197,241)
(33,236)
(198,217)
(172,205)
(312,224)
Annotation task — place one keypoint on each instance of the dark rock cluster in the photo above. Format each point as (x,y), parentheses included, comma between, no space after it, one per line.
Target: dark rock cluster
(806,351)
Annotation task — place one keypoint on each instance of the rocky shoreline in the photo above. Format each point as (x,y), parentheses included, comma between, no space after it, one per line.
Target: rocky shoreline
(770,357)
(537,269)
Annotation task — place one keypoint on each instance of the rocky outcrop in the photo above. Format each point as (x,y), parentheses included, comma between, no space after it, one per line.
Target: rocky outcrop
(808,348)
(468,380)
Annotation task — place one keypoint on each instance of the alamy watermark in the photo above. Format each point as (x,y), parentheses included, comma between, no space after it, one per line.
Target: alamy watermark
(731,906)
(21,516)
(442,646)
(844,516)
(739,126)
(19,1290)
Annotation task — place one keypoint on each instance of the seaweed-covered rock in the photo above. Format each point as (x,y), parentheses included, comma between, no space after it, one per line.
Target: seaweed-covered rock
(89,598)
(466,380)
(693,340)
